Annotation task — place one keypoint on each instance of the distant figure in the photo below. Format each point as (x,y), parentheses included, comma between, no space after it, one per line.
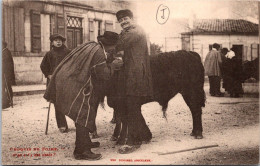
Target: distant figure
(212,67)
(225,67)
(8,77)
(233,74)
(49,63)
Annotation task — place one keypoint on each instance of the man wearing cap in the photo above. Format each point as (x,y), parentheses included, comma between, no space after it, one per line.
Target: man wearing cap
(212,65)
(50,61)
(81,72)
(138,80)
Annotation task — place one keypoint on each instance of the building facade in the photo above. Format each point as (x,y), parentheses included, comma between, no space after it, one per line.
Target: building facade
(27,26)
(242,35)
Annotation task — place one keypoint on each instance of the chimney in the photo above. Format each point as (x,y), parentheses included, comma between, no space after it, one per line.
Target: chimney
(192,18)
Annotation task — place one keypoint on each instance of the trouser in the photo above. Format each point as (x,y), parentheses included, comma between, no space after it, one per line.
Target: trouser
(83,141)
(120,112)
(60,119)
(214,85)
(137,129)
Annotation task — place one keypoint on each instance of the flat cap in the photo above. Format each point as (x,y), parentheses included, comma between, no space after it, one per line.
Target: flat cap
(123,13)
(55,36)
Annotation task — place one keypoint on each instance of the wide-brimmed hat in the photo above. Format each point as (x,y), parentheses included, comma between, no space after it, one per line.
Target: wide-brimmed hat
(57,36)
(123,13)
(109,38)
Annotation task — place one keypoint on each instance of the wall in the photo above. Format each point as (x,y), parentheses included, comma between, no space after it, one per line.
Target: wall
(27,70)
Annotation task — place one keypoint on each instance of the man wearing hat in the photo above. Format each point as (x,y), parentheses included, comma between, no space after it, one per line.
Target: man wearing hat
(50,61)
(138,80)
(82,100)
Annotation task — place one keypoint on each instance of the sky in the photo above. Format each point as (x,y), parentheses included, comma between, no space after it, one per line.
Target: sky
(146,11)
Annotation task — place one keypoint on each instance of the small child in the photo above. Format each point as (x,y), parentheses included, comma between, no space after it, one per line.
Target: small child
(49,63)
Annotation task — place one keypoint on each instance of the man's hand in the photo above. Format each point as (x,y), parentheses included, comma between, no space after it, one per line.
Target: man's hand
(120,53)
(49,76)
(117,63)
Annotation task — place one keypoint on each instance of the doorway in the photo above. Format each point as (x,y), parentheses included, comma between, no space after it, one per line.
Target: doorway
(74,32)
(238,49)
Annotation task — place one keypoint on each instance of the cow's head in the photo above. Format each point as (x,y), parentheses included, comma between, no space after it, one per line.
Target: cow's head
(101,75)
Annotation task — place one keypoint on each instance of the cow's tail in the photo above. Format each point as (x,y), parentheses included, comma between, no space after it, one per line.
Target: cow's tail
(199,82)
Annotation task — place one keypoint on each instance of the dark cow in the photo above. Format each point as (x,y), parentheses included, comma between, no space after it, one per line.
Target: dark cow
(172,72)
(251,69)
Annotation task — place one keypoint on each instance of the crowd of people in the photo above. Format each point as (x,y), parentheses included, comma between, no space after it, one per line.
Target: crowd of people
(226,65)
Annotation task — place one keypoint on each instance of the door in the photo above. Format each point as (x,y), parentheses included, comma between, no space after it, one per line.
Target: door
(74,32)
(238,49)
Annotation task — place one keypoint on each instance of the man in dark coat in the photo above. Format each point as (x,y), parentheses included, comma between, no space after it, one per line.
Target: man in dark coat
(72,88)
(8,77)
(233,74)
(49,63)
(138,79)
(212,67)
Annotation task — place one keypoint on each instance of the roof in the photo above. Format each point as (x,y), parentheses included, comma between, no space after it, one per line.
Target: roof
(223,26)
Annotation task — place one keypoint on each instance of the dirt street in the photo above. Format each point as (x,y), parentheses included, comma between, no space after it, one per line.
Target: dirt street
(230,123)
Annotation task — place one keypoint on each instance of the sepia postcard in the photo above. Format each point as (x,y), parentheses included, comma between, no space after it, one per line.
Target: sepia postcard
(184,81)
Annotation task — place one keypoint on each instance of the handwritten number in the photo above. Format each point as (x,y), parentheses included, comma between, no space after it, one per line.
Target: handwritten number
(162,15)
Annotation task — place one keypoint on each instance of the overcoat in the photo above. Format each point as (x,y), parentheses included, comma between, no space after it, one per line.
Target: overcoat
(71,86)
(138,78)
(8,77)
(52,59)
(213,63)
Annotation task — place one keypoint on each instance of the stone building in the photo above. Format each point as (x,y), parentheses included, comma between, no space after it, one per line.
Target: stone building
(27,25)
(240,34)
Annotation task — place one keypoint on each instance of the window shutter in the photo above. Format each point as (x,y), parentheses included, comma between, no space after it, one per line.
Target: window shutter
(35,31)
(245,54)
(109,25)
(61,24)
(91,30)
(255,51)
(19,29)
(8,26)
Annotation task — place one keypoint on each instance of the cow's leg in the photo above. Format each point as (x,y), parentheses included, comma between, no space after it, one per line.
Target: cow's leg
(123,134)
(197,122)
(121,120)
(196,112)
(117,129)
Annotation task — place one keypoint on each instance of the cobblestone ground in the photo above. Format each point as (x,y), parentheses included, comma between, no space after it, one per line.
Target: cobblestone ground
(230,123)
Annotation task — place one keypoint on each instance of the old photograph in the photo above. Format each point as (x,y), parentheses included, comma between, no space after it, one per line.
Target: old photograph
(125,82)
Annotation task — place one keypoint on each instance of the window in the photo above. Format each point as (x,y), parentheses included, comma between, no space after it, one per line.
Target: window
(42,26)
(109,25)
(74,31)
(35,32)
(13,28)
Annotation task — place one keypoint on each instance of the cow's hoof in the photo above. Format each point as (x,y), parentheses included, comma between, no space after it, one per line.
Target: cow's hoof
(113,138)
(198,137)
(128,149)
(196,134)
(120,141)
